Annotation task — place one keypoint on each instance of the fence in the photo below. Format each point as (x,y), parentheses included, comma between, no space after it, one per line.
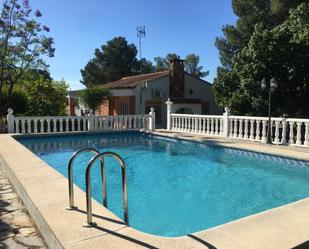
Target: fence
(56,124)
(283,130)
(210,125)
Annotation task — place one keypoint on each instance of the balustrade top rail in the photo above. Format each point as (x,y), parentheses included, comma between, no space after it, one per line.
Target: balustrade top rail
(266,118)
(195,116)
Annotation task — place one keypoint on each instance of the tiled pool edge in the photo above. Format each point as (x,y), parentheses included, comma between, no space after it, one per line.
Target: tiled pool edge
(40,222)
(213,236)
(238,144)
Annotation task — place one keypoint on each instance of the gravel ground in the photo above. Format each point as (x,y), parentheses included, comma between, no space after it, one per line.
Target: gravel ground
(17,230)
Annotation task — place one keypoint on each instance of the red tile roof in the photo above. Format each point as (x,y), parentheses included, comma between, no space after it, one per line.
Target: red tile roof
(133,81)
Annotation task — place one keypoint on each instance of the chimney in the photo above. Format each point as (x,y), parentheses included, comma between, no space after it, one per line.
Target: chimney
(177,78)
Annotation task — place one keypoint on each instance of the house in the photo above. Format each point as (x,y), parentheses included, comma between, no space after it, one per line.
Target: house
(137,94)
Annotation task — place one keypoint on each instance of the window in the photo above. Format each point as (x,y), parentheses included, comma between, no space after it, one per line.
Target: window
(156,94)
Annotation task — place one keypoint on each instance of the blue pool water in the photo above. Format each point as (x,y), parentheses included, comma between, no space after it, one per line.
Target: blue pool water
(177,187)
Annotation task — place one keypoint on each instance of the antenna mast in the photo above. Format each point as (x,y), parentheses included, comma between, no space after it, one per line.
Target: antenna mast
(141,33)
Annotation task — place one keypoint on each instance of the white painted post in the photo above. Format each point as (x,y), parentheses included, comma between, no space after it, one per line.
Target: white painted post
(10,120)
(246,135)
(226,122)
(284,124)
(291,135)
(90,120)
(298,137)
(252,121)
(152,123)
(257,135)
(263,139)
(306,142)
(235,127)
(240,130)
(277,140)
(168,113)
(230,127)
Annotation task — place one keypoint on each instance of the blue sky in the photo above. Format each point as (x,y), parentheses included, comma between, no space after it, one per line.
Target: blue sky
(178,26)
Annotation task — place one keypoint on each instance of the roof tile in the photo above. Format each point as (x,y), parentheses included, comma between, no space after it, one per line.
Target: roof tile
(133,81)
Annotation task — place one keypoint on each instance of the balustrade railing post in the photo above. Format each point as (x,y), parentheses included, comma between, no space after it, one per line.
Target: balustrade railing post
(90,120)
(240,130)
(252,121)
(235,127)
(230,127)
(306,141)
(246,135)
(168,113)
(152,122)
(226,122)
(10,120)
(291,134)
(298,134)
(277,139)
(257,131)
(283,139)
(263,139)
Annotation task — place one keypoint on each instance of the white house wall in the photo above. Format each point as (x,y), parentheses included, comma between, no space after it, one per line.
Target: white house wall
(144,93)
(201,90)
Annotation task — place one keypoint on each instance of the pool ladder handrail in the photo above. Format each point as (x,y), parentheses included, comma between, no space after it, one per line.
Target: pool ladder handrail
(70,177)
(101,156)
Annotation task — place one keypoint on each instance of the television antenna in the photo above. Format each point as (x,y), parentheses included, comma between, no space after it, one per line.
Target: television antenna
(141,33)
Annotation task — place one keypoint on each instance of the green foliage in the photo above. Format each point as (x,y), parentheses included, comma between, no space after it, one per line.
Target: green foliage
(117,59)
(145,65)
(45,97)
(162,64)
(272,50)
(19,102)
(93,96)
(23,42)
(37,94)
(192,66)
(113,61)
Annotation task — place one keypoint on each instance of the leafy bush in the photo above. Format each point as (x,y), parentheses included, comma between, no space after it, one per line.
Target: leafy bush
(93,96)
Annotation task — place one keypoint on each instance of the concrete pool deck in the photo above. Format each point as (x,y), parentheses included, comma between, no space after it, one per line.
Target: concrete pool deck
(44,192)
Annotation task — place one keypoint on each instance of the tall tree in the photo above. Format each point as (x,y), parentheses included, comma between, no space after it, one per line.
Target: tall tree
(23,42)
(162,64)
(115,59)
(245,50)
(145,66)
(192,66)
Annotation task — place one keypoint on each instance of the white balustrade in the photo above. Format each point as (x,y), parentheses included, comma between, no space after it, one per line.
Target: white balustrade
(56,124)
(200,124)
(284,130)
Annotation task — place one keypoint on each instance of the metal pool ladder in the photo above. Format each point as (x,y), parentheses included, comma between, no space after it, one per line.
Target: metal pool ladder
(98,156)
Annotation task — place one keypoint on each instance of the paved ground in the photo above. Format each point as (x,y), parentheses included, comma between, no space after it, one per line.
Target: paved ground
(299,152)
(16,228)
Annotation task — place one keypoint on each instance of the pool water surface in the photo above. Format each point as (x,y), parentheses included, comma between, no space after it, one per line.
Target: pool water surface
(177,187)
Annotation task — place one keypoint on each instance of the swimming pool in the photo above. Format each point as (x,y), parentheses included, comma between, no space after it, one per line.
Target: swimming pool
(177,187)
